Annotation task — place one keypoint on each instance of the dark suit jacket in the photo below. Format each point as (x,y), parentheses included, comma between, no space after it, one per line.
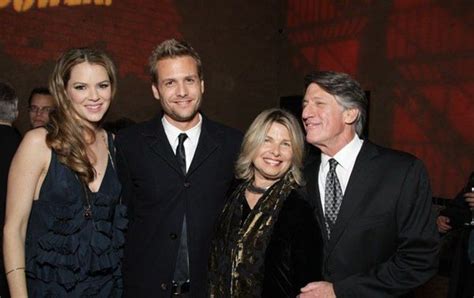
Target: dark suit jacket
(462,271)
(10,139)
(294,253)
(457,211)
(385,242)
(158,195)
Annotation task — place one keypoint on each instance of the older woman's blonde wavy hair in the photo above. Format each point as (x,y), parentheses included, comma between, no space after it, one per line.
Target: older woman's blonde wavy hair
(255,136)
(66,135)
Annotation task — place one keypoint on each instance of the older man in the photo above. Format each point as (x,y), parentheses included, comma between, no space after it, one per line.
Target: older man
(374,203)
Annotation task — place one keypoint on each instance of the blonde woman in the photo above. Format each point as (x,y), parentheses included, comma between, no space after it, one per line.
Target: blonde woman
(267,242)
(64,224)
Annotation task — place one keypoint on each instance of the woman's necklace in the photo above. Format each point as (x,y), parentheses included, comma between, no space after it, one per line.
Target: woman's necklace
(88,204)
(256,190)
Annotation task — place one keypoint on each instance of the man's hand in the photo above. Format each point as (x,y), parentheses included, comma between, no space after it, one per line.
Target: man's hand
(469,197)
(318,289)
(443,224)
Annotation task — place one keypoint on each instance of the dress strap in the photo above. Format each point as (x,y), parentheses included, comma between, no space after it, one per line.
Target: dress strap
(51,172)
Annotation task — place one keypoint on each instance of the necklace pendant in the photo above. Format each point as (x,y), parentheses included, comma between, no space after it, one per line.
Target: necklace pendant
(87,212)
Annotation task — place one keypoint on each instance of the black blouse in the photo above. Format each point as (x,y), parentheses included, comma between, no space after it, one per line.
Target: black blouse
(294,255)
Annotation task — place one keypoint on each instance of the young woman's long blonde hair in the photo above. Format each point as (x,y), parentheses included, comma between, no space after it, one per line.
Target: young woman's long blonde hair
(66,135)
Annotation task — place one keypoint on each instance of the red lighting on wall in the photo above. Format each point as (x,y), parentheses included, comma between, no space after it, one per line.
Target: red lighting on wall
(416,57)
(128,30)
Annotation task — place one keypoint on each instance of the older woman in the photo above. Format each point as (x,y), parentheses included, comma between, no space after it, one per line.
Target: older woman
(64,225)
(267,242)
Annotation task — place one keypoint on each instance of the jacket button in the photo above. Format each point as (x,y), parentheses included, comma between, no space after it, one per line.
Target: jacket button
(187,184)
(164,286)
(173,236)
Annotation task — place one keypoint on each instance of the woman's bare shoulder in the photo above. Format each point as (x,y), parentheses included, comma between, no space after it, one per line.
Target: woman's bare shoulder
(35,139)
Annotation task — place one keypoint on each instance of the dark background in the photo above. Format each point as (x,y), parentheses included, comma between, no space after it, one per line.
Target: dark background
(415,57)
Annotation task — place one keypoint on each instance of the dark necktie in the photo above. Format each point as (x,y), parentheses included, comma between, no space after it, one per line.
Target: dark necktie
(332,197)
(181,272)
(180,153)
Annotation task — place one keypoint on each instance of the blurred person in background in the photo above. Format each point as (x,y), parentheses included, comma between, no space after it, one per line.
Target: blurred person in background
(459,215)
(10,139)
(40,105)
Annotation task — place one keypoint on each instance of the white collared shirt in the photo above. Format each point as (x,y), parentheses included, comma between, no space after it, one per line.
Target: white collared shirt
(191,142)
(346,158)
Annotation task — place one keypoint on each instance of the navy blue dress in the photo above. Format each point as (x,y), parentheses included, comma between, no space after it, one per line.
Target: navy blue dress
(69,254)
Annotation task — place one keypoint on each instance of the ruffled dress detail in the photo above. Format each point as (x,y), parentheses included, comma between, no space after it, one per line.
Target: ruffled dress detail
(68,254)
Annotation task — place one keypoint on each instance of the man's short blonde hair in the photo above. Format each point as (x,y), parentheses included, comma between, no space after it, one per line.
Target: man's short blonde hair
(172,48)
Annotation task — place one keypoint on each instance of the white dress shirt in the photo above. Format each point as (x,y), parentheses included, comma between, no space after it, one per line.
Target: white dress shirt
(190,143)
(345,158)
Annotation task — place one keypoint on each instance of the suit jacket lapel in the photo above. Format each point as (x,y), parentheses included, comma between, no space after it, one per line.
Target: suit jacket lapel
(312,186)
(206,145)
(156,139)
(355,191)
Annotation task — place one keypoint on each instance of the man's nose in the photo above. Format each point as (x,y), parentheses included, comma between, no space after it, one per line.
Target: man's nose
(182,90)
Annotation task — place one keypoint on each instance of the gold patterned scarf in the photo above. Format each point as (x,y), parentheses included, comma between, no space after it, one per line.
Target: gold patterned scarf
(237,257)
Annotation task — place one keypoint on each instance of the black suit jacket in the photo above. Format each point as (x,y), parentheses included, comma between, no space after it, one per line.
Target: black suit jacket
(384,242)
(10,139)
(158,195)
(294,253)
(458,211)
(461,271)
